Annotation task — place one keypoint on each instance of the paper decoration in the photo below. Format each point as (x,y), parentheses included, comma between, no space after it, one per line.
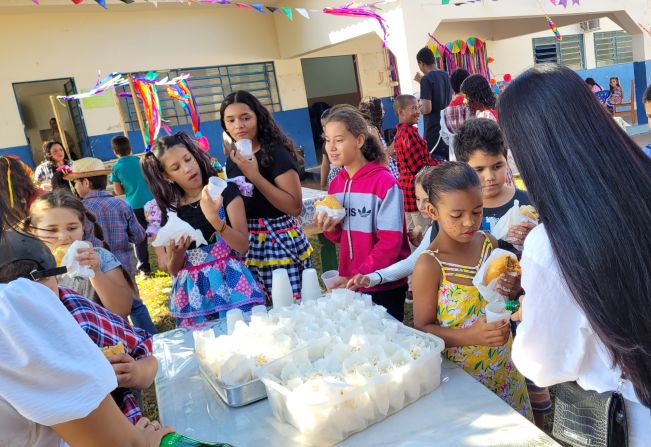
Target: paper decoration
(288,12)
(151,107)
(366,10)
(469,54)
(303,12)
(181,92)
(552,26)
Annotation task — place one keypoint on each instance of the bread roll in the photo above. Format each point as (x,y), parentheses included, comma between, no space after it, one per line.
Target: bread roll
(59,253)
(113,350)
(329,202)
(530,212)
(502,264)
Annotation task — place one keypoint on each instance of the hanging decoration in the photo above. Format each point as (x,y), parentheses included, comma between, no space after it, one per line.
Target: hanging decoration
(552,26)
(146,90)
(181,92)
(365,10)
(470,55)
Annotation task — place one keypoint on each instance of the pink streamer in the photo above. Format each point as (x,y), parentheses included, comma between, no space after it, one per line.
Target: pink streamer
(361,11)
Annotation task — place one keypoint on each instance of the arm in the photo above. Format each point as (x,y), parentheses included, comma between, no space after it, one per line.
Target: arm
(119,190)
(425,106)
(425,97)
(136,374)
(175,254)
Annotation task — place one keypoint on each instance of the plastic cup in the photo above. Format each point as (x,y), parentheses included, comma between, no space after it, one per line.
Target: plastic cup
(496,311)
(232,317)
(281,289)
(215,187)
(245,148)
(310,288)
(330,278)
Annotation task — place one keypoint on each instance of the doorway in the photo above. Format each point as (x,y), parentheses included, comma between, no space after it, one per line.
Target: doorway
(329,81)
(35,108)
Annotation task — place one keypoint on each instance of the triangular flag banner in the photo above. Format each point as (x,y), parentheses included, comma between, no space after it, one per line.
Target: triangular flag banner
(243,6)
(445,2)
(289,13)
(272,9)
(102,3)
(259,7)
(303,12)
(127,1)
(36,2)
(76,2)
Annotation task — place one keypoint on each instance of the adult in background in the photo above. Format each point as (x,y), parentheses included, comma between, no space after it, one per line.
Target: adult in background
(54,134)
(435,95)
(55,157)
(585,269)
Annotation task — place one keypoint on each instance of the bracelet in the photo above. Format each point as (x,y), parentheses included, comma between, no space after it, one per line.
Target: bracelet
(222,228)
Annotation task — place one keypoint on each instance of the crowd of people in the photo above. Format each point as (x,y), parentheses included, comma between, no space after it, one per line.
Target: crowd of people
(420,213)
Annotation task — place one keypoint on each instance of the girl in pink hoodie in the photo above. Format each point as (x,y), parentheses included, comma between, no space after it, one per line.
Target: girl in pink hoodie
(372,235)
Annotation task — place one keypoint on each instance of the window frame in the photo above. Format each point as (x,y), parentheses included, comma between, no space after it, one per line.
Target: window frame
(559,53)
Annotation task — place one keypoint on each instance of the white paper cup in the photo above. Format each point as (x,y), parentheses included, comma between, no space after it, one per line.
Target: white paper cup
(281,289)
(310,288)
(216,186)
(496,311)
(330,278)
(245,148)
(232,317)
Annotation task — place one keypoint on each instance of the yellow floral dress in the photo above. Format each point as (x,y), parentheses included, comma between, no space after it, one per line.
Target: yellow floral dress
(459,306)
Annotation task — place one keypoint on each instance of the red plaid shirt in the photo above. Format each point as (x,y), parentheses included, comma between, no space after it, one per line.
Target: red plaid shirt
(107,329)
(412,155)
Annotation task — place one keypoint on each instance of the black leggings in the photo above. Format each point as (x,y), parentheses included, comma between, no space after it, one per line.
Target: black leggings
(393,300)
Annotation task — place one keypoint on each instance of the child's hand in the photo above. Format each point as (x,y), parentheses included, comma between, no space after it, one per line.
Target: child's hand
(490,334)
(126,370)
(152,431)
(210,206)
(339,283)
(518,233)
(177,250)
(325,222)
(89,258)
(508,285)
(249,167)
(359,281)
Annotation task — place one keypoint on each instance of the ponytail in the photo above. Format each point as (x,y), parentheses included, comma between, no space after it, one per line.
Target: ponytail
(357,125)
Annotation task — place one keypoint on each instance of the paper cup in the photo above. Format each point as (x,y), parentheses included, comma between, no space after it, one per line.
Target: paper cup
(496,311)
(330,278)
(245,148)
(281,289)
(310,288)
(232,317)
(215,187)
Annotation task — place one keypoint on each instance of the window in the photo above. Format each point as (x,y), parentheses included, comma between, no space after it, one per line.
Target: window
(209,85)
(568,51)
(613,47)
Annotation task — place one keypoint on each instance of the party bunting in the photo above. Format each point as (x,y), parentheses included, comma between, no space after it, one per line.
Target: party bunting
(469,55)
(303,12)
(151,107)
(180,91)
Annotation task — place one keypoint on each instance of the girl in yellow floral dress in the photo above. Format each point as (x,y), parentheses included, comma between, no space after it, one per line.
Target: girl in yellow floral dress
(446,303)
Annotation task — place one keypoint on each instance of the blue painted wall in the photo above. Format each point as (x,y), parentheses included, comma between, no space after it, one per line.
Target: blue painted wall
(23,152)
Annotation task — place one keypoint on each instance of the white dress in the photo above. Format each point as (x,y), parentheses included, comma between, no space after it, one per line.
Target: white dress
(555,342)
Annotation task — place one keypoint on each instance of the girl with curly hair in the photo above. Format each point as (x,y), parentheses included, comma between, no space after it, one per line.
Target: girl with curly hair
(479,97)
(275,236)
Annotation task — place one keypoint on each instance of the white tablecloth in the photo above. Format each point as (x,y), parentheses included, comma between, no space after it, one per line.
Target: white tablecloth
(461,412)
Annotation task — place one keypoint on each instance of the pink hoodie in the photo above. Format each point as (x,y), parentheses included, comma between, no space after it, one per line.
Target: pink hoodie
(373,233)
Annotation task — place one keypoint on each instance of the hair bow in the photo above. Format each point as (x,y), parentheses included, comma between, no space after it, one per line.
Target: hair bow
(246,188)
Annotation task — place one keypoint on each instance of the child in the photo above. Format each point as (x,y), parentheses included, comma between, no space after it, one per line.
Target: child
(372,235)
(647,108)
(479,97)
(135,369)
(18,189)
(118,222)
(616,92)
(446,303)
(372,110)
(59,218)
(210,279)
(275,237)
(412,156)
(480,143)
(127,179)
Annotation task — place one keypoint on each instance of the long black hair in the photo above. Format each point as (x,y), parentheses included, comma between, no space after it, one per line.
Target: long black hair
(269,135)
(478,92)
(592,187)
(47,151)
(168,195)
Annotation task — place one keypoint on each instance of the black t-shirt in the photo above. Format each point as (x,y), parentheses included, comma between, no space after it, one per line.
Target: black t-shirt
(435,87)
(258,206)
(193,215)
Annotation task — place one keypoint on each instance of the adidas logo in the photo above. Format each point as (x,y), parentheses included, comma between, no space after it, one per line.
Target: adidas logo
(352,212)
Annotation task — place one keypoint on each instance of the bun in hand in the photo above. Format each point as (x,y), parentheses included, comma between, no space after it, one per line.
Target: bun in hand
(502,264)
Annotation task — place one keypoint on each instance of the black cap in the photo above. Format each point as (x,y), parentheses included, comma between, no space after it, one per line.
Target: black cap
(16,246)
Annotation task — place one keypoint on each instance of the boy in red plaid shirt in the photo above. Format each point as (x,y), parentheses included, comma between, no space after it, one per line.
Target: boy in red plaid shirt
(412,156)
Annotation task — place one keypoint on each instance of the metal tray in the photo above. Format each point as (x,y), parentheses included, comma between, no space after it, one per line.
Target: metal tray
(235,396)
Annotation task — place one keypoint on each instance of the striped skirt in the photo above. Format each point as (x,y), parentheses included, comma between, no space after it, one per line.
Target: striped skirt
(278,243)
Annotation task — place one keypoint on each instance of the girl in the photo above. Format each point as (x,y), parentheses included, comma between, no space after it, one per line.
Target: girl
(479,97)
(594,87)
(586,315)
(373,234)
(58,218)
(210,279)
(55,157)
(275,237)
(616,92)
(446,303)
(373,111)
(19,190)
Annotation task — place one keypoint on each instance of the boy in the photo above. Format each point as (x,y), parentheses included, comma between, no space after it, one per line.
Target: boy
(135,368)
(114,215)
(479,142)
(127,179)
(412,156)
(647,108)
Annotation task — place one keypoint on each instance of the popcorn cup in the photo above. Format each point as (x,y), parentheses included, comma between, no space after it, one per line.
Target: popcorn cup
(245,148)
(496,311)
(216,186)
(330,278)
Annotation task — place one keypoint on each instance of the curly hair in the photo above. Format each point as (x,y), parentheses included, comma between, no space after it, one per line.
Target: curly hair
(478,92)
(478,134)
(371,108)
(268,133)
(456,79)
(47,151)
(357,125)
(168,195)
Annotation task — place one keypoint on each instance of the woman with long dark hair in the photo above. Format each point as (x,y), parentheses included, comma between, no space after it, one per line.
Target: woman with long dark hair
(586,269)
(55,157)
(275,236)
